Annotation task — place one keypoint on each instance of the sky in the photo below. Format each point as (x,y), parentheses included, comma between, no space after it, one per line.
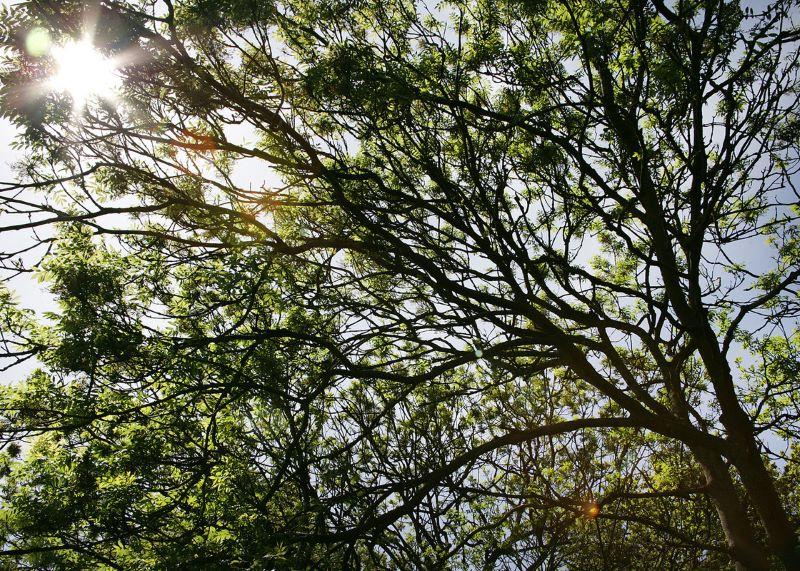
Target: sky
(28,291)
(31,294)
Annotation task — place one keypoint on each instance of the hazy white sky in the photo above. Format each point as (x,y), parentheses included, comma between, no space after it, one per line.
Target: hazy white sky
(32,295)
(29,292)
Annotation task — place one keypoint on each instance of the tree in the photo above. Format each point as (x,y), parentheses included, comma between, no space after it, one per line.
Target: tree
(392,284)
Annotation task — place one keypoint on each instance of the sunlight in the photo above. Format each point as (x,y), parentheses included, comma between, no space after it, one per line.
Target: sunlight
(83,72)
(591,509)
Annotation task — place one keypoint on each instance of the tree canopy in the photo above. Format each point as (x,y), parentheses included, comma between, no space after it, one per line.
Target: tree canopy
(383,284)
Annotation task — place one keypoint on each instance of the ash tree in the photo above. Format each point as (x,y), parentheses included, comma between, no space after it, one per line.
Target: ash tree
(392,284)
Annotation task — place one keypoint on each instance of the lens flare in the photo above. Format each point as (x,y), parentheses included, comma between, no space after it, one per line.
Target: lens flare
(591,510)
(83,72)
(37,42)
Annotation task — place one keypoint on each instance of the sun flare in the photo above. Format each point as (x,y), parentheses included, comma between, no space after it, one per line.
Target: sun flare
(83,72)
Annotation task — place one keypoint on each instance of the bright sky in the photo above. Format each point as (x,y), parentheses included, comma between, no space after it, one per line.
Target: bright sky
(82,73)
(30,293)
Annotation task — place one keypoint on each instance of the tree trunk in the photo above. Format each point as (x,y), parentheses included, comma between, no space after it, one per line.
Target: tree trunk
(761,489)
(748,554)
(746,457)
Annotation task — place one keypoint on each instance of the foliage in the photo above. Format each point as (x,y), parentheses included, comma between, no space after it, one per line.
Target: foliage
(385,284)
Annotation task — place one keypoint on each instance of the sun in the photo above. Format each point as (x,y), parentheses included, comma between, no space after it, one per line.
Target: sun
(83,72)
